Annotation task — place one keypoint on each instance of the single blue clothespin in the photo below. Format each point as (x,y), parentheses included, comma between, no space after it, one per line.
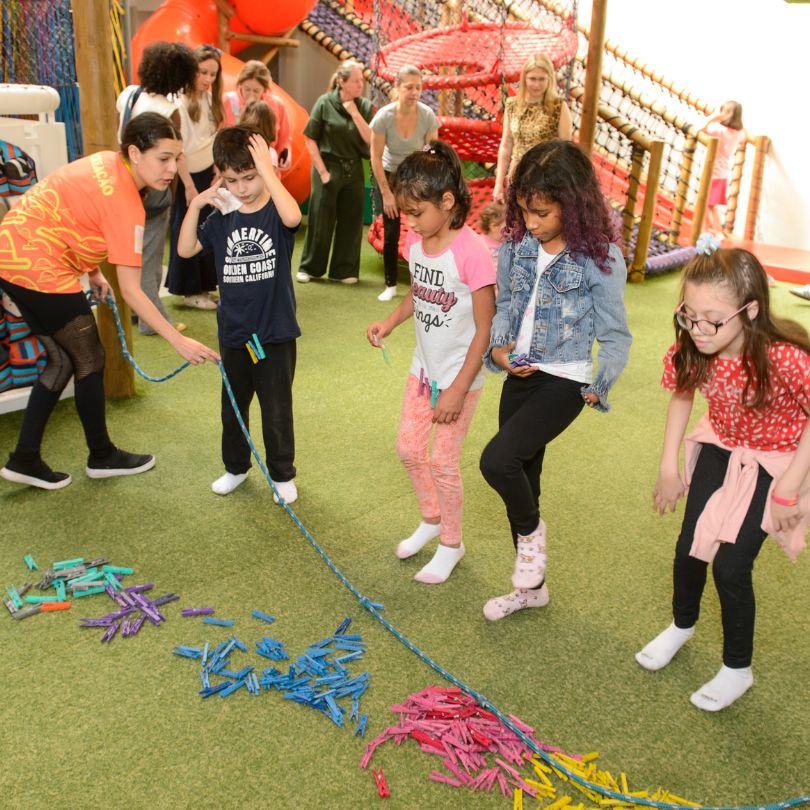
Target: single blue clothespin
(434,393)
(29,561)
(385,354)
(219,622)
(265,617)
(257,347)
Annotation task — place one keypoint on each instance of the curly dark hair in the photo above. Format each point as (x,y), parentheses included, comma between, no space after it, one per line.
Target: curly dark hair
(743,276)
(558,171)
(425,176)
(166,68)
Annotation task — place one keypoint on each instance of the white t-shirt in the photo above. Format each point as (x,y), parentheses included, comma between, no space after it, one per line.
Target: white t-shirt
(580,372)
(198,136)
(146,102)
(442,287)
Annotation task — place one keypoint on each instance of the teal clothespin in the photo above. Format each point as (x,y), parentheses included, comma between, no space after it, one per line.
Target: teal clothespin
(434,393)
(385,354)
(257,347)
(29,561)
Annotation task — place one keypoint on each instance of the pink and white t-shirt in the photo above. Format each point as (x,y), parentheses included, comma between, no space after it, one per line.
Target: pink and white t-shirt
(442,287)
(730,139)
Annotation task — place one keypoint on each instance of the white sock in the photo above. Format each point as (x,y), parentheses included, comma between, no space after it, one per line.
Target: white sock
(661,650)
(723,689)
(425,532)
(228,483)
(387,294)
(502,606)
(442,564)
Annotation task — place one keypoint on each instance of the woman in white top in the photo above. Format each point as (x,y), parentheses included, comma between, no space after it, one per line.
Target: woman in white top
(166,69)
(201,115)
(397,130)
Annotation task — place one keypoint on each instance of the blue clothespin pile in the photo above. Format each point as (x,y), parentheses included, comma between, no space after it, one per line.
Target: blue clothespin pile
(318,678)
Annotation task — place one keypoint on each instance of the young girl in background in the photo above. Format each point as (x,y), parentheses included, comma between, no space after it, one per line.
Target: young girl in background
(452,303)
(746,463)
(561,284)
(260,116)
(725,124)
(201,115)
(490,222)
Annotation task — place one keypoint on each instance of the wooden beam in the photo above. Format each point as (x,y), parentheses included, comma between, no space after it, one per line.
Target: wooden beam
(94,71)
(593,76)
(279,42)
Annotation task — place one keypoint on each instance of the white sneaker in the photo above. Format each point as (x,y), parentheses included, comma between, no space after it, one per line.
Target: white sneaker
(303,277)
(387,294)
(228,483)
(286,490)
(199,302)
(350,280)
(802,292)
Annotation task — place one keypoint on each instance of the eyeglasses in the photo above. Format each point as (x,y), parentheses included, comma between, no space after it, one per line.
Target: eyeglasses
(705,327)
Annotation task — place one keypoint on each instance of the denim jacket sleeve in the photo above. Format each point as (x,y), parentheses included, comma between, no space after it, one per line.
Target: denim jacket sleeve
(610,324)
(500,334)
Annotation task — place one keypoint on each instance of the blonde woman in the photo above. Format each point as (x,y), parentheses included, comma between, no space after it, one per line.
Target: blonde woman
(534,115)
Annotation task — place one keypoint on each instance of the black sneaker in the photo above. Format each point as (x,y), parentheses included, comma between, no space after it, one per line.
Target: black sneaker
(118,462)
(34,472)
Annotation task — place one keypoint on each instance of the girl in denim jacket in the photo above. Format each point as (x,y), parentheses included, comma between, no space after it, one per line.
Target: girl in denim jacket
(560,286)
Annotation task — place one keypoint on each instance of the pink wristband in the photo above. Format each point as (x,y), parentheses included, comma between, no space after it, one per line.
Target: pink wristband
(794,501)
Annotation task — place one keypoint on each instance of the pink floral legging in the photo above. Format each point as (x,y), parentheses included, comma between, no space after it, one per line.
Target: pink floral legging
(436,478)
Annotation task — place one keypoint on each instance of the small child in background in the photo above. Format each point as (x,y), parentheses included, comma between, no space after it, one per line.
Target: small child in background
(252,247)
(746,463)
(561,279)
(452,303)
(491,221)
(726,124)
(260,116)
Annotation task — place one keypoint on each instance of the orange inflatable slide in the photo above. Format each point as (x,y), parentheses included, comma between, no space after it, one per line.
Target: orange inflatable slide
(197,22)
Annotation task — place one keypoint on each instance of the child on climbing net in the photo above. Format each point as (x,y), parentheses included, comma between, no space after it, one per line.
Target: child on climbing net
(452,303)
(746,463)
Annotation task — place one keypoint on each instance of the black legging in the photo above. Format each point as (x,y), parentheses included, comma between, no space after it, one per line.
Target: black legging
(391,231)
(66,327)
(733,564)
(534,410)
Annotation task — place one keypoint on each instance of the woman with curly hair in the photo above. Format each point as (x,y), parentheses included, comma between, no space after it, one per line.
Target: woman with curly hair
(166,69)
(560,286)
(201,115)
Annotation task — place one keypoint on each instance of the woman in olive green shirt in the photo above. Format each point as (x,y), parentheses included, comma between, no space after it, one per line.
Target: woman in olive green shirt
(337,138)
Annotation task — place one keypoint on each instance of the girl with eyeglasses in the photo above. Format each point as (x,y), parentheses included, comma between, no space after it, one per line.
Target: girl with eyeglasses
(746,462)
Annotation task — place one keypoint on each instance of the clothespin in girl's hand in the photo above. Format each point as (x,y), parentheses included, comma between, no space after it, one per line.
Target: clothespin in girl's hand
(434,393)
(385,354)
(382,785)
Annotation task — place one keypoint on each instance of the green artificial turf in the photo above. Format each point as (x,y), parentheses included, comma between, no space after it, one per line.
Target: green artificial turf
(122,725)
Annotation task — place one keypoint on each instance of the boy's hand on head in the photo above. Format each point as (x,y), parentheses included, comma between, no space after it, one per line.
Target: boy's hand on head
(208,197)
(260,152)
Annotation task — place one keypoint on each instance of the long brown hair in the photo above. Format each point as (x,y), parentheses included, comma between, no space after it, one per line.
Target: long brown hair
(743,276)
(203,53)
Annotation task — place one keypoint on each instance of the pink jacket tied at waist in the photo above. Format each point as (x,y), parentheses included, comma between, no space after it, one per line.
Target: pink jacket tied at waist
(725,511)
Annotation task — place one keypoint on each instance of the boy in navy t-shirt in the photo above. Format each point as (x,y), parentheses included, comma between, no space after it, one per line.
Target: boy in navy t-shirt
(252,237)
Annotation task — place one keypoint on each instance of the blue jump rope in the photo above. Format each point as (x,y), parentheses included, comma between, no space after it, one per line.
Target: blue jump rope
(375,608)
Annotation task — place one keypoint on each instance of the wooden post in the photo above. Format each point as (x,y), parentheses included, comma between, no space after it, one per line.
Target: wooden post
(761,145)
(703,192)
(94,71)
(734,187)
(687,161)
(593,76)
(629,212)
(645,226)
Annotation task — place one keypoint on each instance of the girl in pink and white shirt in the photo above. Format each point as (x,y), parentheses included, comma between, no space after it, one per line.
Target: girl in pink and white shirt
(452,302)
(746,464)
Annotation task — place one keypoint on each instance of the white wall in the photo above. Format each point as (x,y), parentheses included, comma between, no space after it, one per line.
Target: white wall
(754,51)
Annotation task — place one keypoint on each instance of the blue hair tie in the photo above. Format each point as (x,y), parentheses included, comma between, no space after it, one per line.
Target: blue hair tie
(707,244)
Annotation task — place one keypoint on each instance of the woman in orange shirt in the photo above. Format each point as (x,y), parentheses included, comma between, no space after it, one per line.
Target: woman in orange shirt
(64,227)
